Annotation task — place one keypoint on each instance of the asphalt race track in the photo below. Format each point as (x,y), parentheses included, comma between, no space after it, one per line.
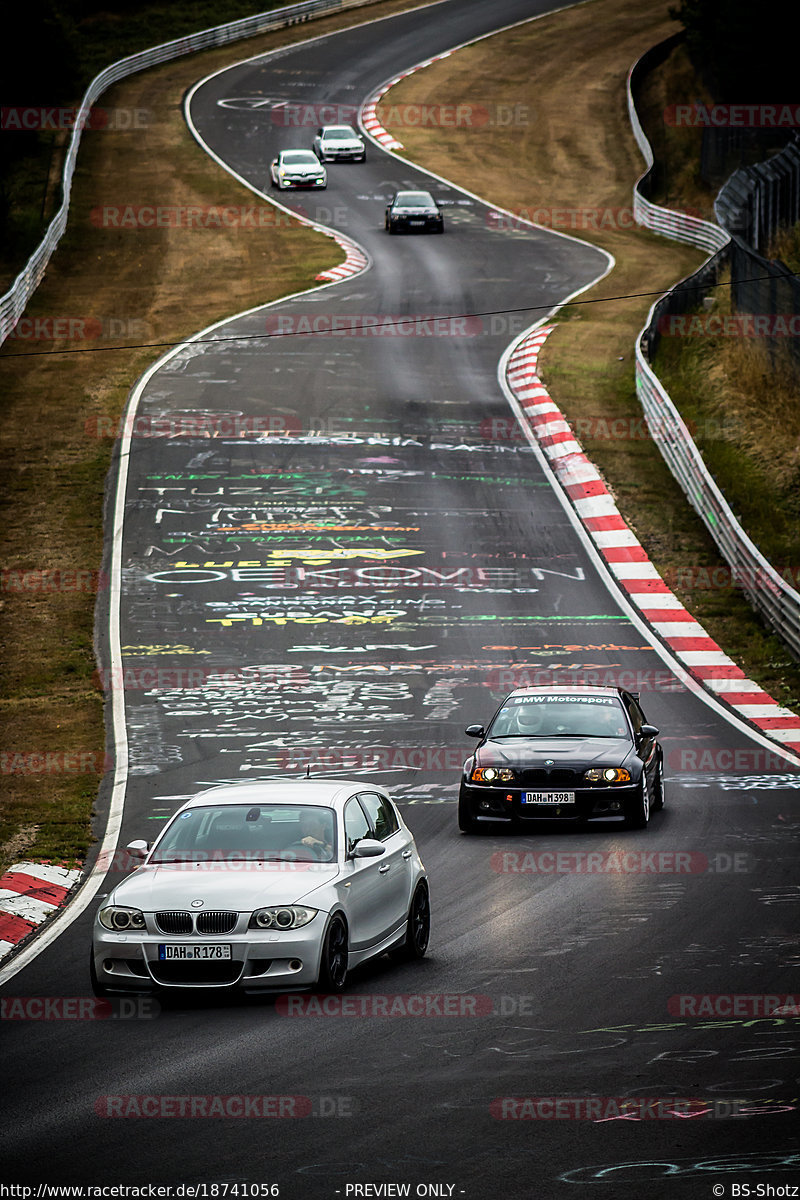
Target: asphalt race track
(351,592)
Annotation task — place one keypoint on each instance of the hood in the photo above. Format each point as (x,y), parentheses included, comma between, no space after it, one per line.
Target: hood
(577,753)
(237,886)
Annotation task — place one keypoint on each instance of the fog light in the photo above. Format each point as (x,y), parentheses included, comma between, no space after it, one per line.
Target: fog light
(295,965)
(615,805)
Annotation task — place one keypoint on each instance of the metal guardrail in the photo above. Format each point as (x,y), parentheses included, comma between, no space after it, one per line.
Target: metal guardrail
(765,589)
(15,300)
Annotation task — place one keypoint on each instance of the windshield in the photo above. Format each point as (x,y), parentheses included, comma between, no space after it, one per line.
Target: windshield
(417,199)
(300,158)
(340,133)
(253,832)
(560,716)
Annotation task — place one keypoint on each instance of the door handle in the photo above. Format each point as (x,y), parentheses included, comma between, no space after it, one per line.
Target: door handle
(406,854)
(382,870)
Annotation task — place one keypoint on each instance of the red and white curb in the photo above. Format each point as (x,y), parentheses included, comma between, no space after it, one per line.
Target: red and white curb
(29,894)
(368,117)
(355,261)
(627,560)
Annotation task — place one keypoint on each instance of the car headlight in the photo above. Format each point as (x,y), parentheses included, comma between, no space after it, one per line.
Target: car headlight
(607,775)
(285,916)
(120,919)
(492,775)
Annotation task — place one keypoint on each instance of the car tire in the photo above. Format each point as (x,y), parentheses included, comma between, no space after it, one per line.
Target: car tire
(466,821)
(658,790)
(363,157)
(637,812)
(418,927)
(333,961)
(99,989)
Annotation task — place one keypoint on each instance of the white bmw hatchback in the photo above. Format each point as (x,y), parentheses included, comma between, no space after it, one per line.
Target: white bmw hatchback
(263,887)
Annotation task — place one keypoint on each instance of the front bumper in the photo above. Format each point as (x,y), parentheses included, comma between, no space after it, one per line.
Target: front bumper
(416,224)
(344,155)
(264,961)
(303,181)
(591,804)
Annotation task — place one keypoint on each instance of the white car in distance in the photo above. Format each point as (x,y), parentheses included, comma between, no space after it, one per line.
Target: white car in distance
(339,143)
(297,169)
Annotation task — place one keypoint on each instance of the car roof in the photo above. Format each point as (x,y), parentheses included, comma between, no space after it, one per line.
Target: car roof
(329,128)
(330,793)
(583,689)
(413,192)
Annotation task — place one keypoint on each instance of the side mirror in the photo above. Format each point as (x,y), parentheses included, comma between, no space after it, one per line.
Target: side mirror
(137,850)
(368,848)
(648,731)
(474,731)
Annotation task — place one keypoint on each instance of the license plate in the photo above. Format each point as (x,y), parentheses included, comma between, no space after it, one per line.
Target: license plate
(416,222)
(191,953)
(548,797)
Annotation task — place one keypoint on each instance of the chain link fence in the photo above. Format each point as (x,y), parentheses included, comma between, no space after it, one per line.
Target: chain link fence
(767,591)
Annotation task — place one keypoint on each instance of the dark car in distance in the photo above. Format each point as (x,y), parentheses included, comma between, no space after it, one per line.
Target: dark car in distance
(413,211)
(581,754)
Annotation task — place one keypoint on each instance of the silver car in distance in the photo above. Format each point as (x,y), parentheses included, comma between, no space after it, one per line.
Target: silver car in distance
(262,887)
(339,143)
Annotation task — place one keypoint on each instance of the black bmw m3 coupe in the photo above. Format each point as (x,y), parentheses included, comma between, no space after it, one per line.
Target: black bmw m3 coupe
(580,754)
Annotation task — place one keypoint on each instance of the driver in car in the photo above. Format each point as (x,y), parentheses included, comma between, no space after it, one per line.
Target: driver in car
(315,831)
(530,720)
